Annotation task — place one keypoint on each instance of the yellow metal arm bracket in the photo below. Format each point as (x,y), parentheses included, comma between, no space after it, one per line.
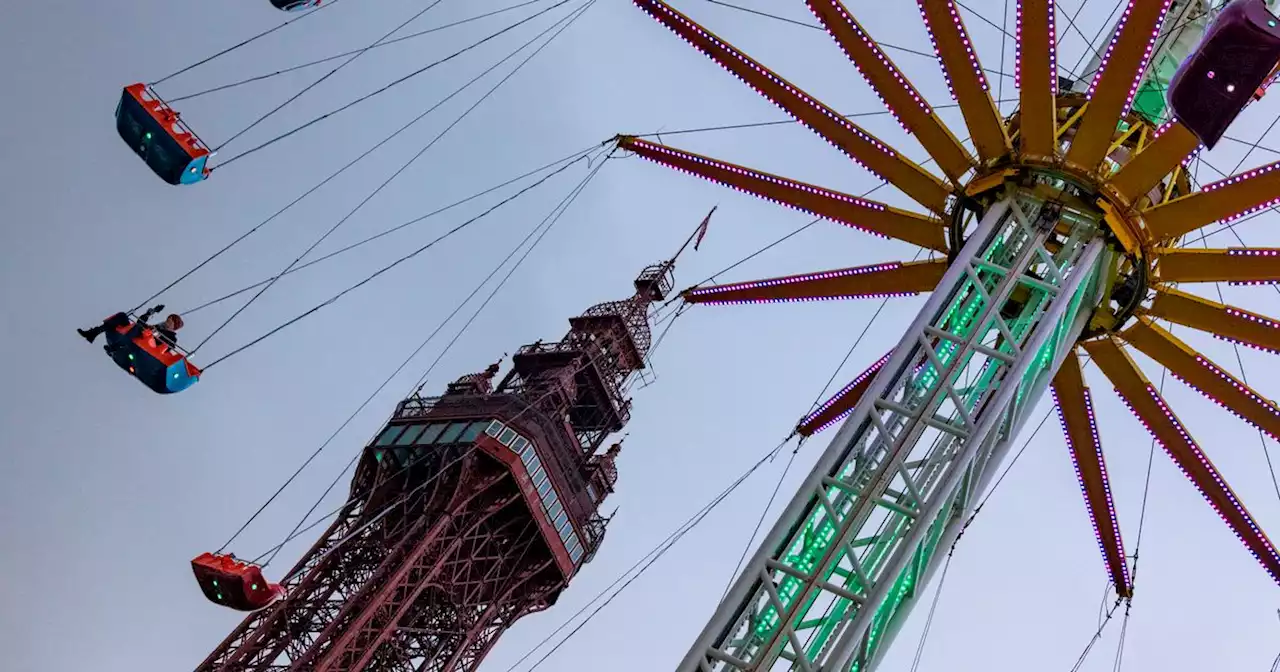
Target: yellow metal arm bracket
(840,405)
(1145,170)
(859,213)
(859,145)
(1226,322)
(1037,78)
(1117,81)
(878,280)
(1146,403)
(1237,265)
(1206,377)
(1075,409)
(904,102)
(965,78)
(1225,200)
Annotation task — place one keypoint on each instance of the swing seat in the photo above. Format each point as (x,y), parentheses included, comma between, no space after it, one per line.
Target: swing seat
(1222,75)
(295,5)
(154,131)
(146,357)
(233,583)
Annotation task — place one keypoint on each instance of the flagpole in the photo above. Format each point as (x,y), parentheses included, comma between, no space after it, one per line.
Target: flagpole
(700,228)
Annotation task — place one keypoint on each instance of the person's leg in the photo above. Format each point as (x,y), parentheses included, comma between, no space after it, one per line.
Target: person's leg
(114,322)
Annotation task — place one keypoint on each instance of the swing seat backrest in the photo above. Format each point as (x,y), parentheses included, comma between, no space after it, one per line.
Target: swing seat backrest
(156,365)
(232,583)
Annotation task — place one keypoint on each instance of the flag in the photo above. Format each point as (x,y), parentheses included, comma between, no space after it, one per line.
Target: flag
(702,228)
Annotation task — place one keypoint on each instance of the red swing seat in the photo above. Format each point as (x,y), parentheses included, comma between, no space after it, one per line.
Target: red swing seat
(234,583)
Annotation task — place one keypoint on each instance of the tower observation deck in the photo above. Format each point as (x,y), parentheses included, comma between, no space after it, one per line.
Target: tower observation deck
(467,511)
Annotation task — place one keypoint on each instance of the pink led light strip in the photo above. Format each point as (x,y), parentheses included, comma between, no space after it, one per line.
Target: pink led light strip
(1106,56)
(1252,252)
(1190,443)
(1106,483)
(792,279)
(1264,404)
(1053,50)
(1250,317)
(1146,57)
(880,56)
(871,371)
(780,181)
(648,6)
(968,47)
(1237,179)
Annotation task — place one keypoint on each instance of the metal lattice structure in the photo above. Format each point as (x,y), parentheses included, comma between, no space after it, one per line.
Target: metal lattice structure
(1056,232)
(467,511)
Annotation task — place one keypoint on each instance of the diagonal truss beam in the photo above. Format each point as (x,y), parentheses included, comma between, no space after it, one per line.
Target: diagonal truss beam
(1075,410)
(859,145)
(901,98)
(859,282)
(1226,322)
(859,213)
(1202,374)
(965,78)
(1037,78)
(1227,199)
(1236,265)
(1146,403)
(1116,81)
(842,404)
(1173,143)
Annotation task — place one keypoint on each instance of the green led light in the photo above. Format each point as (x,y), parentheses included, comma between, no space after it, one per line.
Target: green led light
(131,357)
(253,587)
(1271,23)
(215,583)
(147,135)
(219,596)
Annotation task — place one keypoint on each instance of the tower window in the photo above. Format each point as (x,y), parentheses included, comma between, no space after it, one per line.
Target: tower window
(507,437)
(432,433)
(473,430)
(494,428)
(389,434)
(410,435)
(451,434)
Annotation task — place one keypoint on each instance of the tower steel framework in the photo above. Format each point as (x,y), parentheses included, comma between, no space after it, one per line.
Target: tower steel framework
(467,511)
(1057,230)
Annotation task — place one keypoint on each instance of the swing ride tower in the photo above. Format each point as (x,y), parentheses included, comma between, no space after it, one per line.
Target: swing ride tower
(1056,231)
(466,512)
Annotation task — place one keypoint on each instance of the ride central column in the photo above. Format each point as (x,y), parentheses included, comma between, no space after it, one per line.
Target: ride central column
(838,571)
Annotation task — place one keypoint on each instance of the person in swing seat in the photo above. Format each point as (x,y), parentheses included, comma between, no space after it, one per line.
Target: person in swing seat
(167,331)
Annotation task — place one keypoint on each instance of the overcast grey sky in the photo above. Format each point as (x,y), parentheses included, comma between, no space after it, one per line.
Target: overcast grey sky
(107,490)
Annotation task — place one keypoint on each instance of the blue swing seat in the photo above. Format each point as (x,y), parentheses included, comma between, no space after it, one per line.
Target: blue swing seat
(143,355)
(158,136)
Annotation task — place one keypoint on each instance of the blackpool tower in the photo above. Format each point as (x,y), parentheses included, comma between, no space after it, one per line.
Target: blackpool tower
(466,512)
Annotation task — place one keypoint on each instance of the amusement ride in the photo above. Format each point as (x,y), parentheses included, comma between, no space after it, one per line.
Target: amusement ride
(1053,237)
